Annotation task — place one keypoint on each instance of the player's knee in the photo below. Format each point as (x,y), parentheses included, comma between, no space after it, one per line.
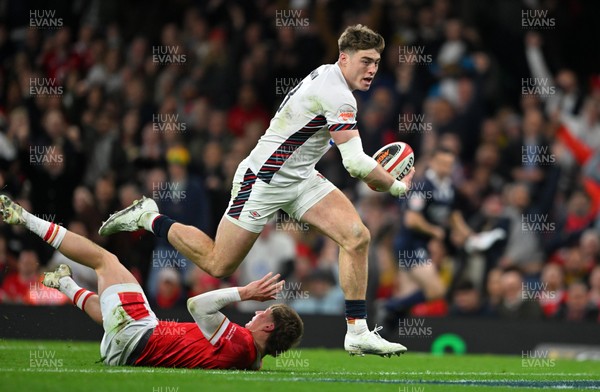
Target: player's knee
(107,260)
(221,271)
(359,238)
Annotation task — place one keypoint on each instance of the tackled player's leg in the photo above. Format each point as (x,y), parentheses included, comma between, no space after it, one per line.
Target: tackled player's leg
(77,248)
(121,306)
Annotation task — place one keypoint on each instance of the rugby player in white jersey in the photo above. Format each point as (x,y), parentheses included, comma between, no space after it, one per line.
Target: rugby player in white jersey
(280,173)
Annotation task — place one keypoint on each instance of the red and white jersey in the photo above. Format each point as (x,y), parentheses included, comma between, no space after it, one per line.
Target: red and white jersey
(298,135)
(183,345)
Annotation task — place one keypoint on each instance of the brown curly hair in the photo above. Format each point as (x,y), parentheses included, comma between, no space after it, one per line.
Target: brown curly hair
(359,37)
(287,332)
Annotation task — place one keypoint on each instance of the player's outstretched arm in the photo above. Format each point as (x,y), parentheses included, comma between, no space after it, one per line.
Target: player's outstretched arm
(362,166)
(264,289)
(205,307)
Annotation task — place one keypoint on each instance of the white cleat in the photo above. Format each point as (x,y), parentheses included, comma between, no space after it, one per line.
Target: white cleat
(372,343)
(128,219)
(12,213)
(51,279)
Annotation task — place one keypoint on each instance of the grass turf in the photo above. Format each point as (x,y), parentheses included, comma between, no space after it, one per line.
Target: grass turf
(32,366)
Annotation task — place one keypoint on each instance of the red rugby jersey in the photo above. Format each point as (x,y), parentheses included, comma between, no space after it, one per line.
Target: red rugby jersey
(183,345)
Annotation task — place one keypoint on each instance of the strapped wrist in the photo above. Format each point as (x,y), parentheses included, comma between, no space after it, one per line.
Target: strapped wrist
(398,189)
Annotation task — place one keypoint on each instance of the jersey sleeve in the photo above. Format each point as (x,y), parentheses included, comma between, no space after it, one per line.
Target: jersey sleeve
(340,110)
(204,308)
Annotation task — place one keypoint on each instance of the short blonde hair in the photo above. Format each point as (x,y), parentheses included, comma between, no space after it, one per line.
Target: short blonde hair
(359,37)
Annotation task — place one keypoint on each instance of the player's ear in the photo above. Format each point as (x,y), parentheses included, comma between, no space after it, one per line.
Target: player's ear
(344,58)
(269,327)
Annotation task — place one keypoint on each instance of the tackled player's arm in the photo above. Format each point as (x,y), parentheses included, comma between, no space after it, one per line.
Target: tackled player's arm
(205,307)
(360,165)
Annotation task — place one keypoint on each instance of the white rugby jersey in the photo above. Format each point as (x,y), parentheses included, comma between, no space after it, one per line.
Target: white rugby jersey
(298,135)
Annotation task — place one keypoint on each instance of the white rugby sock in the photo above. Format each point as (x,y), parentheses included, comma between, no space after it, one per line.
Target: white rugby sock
(147,220)
(78,295)
(357,326)
(48,231)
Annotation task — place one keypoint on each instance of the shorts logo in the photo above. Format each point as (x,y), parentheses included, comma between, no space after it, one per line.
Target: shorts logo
(254,214)
(346,113)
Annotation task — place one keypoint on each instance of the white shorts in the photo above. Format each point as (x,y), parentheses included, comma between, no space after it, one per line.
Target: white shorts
(127,319)
(253,201)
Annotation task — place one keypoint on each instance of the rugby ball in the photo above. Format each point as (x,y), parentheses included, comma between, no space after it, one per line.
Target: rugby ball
(397,158)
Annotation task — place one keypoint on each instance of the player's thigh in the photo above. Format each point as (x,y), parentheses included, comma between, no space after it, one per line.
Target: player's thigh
(253,202)
(335,216)
(233,242)
(113,272)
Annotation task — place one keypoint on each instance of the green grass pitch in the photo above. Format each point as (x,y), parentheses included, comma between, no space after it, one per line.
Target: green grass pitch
(30,366)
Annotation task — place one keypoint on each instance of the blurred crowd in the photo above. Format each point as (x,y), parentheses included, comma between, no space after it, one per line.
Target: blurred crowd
(122,100)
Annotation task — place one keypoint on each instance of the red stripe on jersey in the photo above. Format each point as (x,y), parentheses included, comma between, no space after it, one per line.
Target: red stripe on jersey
(134,305)
(217,330)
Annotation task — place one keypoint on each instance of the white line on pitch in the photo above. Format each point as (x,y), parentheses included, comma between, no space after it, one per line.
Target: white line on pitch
(267,372)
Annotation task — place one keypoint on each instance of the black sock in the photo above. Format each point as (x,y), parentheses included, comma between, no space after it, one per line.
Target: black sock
(356,309)
(161,226)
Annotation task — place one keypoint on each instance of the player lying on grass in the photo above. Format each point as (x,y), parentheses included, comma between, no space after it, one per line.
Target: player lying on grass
(132,333)
(280,173)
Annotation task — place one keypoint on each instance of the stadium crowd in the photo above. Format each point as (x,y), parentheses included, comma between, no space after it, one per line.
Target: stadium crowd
(122,100)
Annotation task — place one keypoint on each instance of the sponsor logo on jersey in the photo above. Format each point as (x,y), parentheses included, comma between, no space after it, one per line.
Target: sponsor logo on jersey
(346,113)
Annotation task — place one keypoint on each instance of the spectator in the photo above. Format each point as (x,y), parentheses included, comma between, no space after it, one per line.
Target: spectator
(169,291)
(104,152)
(23,286)
(491,217)
(513,304)
(552,294)
(324,296)
(577,306)
(594,283)
(523,249)
(246,110)
(493,286)
(467,301)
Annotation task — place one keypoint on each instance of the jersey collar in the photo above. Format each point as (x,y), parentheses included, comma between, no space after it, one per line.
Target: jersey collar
(338,71)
